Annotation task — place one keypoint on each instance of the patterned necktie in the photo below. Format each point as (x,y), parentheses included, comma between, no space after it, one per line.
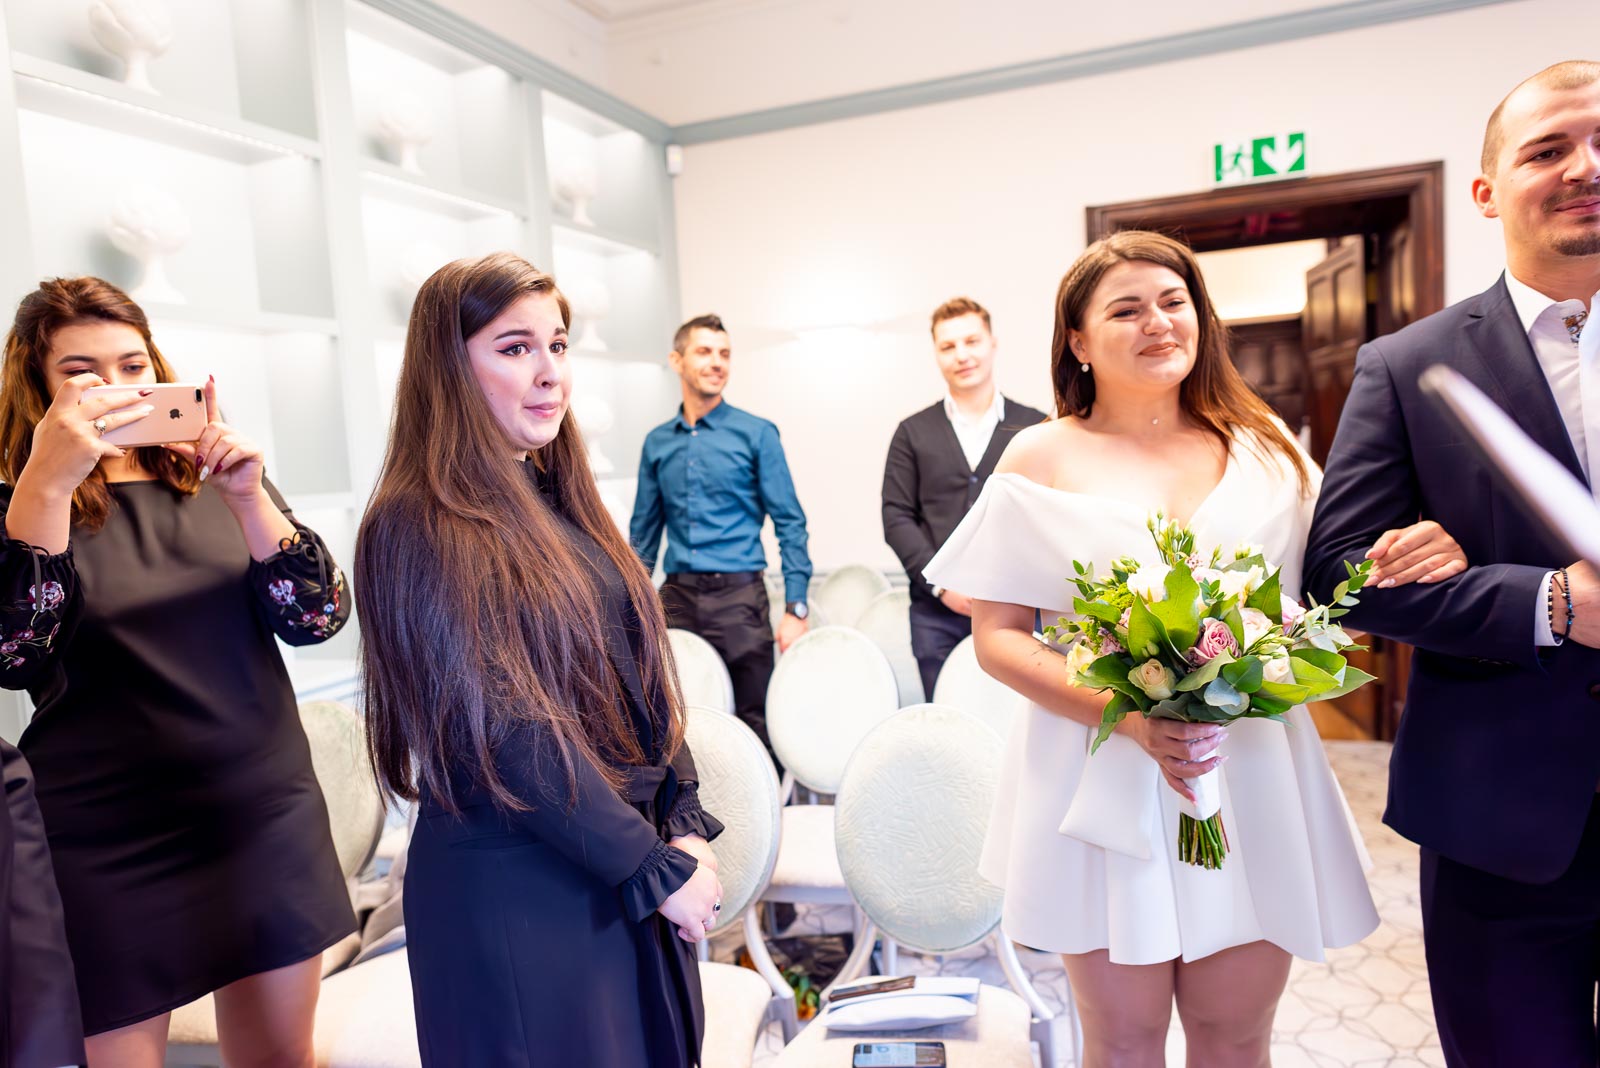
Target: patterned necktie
(1575,323)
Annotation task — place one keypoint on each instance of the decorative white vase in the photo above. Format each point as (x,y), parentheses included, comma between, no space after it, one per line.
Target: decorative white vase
(575,179)
(149,224)
(405,123)
(596,417)
(135,31)
(590,301)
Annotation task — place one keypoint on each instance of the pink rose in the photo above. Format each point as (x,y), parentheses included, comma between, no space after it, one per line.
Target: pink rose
(1215,639)
(1293,611)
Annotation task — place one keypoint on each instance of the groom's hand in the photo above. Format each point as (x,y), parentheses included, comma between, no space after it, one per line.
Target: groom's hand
(1585,590)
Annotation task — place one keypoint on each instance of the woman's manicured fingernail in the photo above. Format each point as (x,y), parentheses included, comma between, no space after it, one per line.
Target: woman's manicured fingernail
(146,392)
(205,472)
(1386,584)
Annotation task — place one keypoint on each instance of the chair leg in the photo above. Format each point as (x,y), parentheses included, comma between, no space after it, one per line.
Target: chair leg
(782,993)
(1043,1027)
(891,956)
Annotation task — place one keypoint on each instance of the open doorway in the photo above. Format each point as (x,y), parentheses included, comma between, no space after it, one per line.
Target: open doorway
(1371,248)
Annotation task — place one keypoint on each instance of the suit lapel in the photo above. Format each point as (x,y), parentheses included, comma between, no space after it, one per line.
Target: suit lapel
(1496,338)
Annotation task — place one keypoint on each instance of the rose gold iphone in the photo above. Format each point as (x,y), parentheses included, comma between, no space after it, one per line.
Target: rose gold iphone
(180,414)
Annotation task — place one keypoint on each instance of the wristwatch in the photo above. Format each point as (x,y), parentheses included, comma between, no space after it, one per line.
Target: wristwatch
(798,609)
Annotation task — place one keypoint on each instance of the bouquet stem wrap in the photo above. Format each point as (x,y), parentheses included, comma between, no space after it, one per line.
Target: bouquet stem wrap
(1202,839)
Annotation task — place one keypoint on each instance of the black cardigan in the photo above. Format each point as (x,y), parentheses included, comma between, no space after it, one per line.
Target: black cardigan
(928,486)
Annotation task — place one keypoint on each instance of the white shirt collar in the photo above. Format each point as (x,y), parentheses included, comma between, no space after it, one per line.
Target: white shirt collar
(952,411)
(1530,303)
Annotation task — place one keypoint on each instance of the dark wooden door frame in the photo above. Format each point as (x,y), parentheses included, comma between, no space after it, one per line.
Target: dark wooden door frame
(1422,184)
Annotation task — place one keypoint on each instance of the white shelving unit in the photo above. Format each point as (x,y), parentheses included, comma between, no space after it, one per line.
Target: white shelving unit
(273,126)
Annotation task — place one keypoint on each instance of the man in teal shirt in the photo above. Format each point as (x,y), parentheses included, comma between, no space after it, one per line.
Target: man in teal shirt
(708,478)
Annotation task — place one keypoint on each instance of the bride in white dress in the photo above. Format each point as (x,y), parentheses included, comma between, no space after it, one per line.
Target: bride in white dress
(1155,417)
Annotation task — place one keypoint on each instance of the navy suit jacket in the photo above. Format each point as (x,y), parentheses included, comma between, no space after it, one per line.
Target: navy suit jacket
(1498,750)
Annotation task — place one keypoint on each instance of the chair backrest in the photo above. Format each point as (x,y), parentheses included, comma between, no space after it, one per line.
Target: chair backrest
(776,603)
(701,672)
(909,824)
(739,786)
(963,684)
(356,806)
(831,688)
(844,594)
(887,621)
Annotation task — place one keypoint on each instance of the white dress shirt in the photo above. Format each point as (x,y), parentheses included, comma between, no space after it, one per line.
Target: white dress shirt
(974,432)
(1573,372)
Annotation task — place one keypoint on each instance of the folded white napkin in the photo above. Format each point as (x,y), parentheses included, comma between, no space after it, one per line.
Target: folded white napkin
(934,1000)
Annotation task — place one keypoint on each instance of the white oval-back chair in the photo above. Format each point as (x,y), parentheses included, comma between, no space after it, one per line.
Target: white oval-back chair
(910,819)
(702,675)
(845,593)
(963,684)
(740,788)
(887,621)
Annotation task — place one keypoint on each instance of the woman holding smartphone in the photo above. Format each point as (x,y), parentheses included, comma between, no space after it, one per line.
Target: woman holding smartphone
(519,685)
(140,592)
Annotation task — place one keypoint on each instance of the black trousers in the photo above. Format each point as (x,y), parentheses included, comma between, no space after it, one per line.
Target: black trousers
(935,630)
(1514,967)
(730,610)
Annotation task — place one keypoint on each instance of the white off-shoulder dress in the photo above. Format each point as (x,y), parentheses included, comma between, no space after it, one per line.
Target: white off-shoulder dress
(1086,846)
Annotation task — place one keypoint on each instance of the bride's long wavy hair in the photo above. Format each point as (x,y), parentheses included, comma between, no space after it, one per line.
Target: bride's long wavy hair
(478,619)
(1214,395)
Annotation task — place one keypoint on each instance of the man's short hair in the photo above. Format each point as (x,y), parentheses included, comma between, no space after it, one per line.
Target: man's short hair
(699,322)
(955,309)
(1569,74)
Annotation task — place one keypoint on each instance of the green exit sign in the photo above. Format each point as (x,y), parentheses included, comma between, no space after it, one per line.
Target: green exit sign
(1280,156)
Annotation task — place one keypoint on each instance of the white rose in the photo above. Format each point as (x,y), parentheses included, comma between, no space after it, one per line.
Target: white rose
(1155,679)
(1079,657)
(1279,670)
(1242,584)
(1149,582)
(1255,623)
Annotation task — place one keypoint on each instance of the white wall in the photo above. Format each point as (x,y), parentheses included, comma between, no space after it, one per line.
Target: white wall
(826,247)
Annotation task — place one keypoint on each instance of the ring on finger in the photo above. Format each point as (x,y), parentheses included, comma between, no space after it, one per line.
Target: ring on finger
(100,426)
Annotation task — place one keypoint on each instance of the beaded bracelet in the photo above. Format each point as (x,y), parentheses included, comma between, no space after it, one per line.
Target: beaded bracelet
(1550,604)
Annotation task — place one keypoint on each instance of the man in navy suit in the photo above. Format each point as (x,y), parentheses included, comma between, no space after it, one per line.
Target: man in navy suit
(1496,765)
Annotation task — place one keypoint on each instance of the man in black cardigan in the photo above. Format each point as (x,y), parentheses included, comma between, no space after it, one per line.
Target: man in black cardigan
(938,461)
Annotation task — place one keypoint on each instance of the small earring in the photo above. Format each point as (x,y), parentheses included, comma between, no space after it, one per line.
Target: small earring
(1084,367)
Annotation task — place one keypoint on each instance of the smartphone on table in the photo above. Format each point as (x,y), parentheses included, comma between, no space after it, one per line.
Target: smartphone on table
(180,413)
(898,1055)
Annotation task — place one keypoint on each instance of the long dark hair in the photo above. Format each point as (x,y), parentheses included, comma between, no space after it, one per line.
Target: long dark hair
(1214,395)
(478,621)
(25,394)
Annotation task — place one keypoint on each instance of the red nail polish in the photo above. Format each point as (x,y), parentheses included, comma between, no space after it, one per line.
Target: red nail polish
(146,392)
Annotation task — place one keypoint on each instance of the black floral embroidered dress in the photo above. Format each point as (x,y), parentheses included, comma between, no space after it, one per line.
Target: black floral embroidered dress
(189,837)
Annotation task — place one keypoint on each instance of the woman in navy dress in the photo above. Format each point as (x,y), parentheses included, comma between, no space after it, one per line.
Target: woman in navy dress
(519,686)
(140,593)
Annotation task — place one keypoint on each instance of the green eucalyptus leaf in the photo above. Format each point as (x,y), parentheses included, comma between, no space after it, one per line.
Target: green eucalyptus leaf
(1292,692)
(1118,707)
(1354,679)
(1096,610)
(1244,675)
(1203,674)
(1221,695)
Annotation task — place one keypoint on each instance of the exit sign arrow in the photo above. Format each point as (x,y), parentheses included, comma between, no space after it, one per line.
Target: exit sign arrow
(1260,158)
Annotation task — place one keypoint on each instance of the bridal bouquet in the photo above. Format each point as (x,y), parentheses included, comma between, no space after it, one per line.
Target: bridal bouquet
(1204,640)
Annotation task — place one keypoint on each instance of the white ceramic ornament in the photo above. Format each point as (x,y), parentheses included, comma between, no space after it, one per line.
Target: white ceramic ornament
(149,224)
(590,301)
(575,179)
(404,121)
(135,31)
